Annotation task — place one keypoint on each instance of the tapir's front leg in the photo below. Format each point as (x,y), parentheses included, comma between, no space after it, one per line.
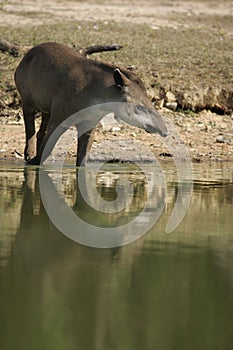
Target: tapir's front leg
(30,131)
(84,146)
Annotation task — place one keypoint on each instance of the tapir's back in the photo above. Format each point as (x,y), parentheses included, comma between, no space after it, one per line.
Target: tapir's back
(46,71)
(54,74)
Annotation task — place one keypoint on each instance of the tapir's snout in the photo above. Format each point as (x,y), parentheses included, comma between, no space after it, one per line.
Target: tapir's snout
(157,125)
(164,133)
(156,130)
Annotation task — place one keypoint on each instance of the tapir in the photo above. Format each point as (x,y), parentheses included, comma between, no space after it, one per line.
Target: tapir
(58,82)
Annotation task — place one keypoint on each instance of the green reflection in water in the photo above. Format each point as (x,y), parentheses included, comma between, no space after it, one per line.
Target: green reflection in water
(161,292)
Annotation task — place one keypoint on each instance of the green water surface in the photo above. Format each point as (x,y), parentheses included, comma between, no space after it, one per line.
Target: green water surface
(163,291)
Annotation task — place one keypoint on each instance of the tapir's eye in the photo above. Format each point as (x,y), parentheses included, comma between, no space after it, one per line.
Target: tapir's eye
(140,108)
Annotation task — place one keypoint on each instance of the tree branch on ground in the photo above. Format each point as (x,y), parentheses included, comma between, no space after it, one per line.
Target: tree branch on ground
(15,49)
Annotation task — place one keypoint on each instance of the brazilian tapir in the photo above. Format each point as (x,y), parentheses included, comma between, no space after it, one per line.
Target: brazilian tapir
(57,81)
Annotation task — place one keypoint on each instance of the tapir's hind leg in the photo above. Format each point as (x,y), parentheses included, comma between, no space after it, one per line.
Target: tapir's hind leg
(30,131)
(42,131)
(52,129)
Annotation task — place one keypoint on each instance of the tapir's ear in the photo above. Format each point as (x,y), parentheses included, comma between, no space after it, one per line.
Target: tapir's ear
(120,79)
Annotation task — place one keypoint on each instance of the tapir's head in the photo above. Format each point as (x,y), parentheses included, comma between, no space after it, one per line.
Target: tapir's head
(139,110)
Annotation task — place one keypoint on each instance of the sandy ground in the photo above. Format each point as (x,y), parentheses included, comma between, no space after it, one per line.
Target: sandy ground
(153,12)
(206,137)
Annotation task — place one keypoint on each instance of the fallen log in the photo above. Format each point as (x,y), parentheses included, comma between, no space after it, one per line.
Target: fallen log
(14,49)
(98,48)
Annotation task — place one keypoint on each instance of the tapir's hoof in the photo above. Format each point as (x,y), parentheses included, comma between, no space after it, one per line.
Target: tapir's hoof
(33,161)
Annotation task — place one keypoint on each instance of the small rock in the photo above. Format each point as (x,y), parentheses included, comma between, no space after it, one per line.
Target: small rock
(222,139)
(189,129)
(200,124)
(115,128)
(171,105)
(109,123)
(170,97)
(159,103)
(165,154)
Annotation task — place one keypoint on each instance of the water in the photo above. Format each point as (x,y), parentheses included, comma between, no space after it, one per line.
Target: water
(163,291)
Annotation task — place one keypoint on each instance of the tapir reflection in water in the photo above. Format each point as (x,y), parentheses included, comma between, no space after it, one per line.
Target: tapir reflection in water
(57,81)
